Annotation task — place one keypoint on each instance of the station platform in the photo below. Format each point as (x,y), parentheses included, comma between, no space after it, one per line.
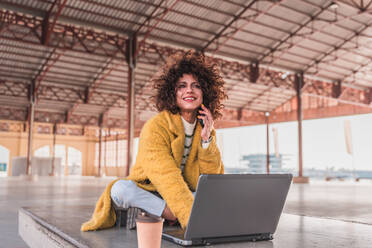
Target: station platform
(318,214)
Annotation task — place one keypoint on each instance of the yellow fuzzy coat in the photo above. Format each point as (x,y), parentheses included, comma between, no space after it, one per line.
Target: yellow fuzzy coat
(158,166)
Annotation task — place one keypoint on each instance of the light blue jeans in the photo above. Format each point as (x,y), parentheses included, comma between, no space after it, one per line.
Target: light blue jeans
(126,193)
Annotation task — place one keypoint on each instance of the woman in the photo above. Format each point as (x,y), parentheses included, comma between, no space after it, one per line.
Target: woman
(174,149)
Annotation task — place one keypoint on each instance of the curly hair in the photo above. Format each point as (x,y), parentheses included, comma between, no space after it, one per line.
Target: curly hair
(193,63)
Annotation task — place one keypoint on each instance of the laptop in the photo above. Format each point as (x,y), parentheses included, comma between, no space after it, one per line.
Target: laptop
(232,208)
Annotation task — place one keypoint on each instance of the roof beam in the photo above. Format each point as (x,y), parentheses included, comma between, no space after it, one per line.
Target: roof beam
(337,91)
(20,8)
(323,57)
(250,102)
(294,33)
(110,108)
(361,6)
(46,66)
(152,27)
(50,20)
(357,70)
(237,17)
(151,16)
(103,72)
(368,5)
(272,80)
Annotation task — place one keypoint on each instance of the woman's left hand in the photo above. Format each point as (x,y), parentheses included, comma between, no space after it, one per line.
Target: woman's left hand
(207,118)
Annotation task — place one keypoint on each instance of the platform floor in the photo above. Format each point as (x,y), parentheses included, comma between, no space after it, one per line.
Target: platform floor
(342,209)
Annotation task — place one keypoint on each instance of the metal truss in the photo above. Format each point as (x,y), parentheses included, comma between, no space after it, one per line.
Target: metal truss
(326,57)
(60,94)
(271,79)
(16,89)
(77,95)
(106,99)
(161,51)
(276,79)
(16,114)
(153,14)
(91,90)
(306,35)
(46,92)
(361,69)
(142,105)
(50,20)
(153,18)
(48,63)
(361,5)
(156,16)
(43,128)
(106,113)
(323,57)
(292,34)
(241,72)
(51,117)
(115,122)
(337,91)
(63,36)
(84,120)
(69,130)
(4,127)
(219,35)
(99,78)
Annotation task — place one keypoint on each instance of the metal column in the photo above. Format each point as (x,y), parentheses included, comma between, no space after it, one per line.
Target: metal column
(117,154)
(267,114)
(99,151)
(299,82)
(105,157)
(131,61)
(54,148)
(31,111)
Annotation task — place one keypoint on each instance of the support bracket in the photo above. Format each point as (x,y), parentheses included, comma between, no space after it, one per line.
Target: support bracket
(254,72)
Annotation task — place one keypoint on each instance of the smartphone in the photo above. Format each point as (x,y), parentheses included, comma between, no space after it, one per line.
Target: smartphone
(201,120)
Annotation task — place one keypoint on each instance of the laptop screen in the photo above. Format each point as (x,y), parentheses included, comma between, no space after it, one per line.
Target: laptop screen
(234,205)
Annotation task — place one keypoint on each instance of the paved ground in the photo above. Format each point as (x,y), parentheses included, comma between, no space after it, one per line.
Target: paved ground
(19,192)
(347,201)
(350,202)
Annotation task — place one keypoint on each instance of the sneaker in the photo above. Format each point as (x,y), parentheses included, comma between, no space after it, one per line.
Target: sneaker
(126,217)
(132,214)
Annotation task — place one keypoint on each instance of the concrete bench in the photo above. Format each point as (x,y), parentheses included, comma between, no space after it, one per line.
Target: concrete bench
(59,226)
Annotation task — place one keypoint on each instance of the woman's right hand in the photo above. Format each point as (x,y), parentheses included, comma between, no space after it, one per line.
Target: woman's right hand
(207,118)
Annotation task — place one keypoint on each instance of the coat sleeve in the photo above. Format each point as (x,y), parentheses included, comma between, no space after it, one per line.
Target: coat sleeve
(163,172)
(210,158)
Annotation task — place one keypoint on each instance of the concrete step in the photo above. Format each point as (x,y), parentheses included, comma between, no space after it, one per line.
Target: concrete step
(35,234)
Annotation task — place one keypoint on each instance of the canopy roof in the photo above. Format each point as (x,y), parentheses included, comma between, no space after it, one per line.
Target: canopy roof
(75,53)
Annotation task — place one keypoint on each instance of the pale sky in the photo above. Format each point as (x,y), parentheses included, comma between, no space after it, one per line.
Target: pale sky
(323,142)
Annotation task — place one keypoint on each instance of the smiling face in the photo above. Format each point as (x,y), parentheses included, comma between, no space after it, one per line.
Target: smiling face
(189,94)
